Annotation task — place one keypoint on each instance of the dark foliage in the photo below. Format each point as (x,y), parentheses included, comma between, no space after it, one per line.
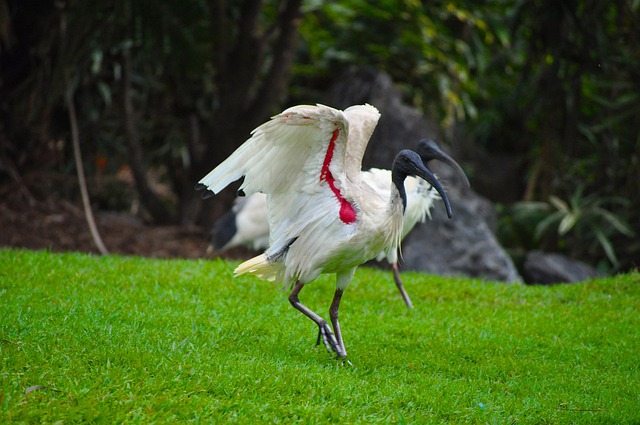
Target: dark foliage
(166,90)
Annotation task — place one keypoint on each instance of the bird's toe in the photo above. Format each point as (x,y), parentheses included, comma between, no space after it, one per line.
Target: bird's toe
(343,361)
(330,342)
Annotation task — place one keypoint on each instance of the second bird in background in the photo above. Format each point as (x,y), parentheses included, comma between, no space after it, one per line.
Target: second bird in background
(246,224)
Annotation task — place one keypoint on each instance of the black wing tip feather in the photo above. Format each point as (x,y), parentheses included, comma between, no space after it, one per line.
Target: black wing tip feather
(208,194)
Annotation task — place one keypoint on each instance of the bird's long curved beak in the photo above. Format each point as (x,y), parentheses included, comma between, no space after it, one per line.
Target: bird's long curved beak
(429,150)
(423,172)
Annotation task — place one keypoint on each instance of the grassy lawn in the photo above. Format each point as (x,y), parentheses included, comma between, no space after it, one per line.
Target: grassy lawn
(115,339)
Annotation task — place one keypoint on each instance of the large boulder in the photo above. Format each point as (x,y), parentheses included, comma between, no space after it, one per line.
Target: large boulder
(464,245)
(546,268)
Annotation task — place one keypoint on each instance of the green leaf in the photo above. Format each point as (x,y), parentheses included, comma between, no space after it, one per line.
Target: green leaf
(615,221)
(567,223)
(605,243)
(559,204)
(545,224)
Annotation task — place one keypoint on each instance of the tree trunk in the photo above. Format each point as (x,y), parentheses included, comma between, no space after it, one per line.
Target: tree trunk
(249,92)
(158,211)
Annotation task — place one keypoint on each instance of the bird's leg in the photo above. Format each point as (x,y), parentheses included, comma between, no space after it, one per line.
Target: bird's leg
(333,314)
(324,329)
(400,285)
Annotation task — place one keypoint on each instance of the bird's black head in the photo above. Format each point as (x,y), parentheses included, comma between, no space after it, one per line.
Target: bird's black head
(409,163)
(430,150)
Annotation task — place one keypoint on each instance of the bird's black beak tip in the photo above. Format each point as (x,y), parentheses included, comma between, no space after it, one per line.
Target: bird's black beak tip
(447,205)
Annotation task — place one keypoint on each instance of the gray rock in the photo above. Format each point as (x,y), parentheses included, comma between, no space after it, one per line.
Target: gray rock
(464,245)
(546,268)
(400,125)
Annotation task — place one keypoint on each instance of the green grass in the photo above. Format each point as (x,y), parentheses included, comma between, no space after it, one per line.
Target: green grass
(131,340)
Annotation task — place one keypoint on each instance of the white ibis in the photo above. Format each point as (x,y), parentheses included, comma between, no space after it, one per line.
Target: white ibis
(420,199)
(323,217)
(246,224)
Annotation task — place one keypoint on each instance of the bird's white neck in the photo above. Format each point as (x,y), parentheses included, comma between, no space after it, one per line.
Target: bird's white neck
(394,218)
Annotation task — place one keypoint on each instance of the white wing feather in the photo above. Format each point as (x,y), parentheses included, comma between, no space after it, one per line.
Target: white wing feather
(282,153)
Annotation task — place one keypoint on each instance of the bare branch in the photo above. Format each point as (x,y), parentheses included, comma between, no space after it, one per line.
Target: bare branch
(75,139)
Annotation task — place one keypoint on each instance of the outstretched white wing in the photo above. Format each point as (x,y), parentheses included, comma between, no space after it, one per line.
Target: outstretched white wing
(283,151)
(304,160)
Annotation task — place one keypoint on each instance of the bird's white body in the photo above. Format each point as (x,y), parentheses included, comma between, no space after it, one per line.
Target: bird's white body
(252,225)
(315,226)
(325,245)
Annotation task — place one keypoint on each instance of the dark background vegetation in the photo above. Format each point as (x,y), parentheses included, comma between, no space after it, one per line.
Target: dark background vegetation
(161,92)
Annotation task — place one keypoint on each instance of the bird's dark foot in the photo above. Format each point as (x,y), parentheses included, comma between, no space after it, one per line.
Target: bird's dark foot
(344,361)
(330,342)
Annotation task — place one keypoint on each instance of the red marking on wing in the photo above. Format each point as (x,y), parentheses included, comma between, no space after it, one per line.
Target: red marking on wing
(347,212)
